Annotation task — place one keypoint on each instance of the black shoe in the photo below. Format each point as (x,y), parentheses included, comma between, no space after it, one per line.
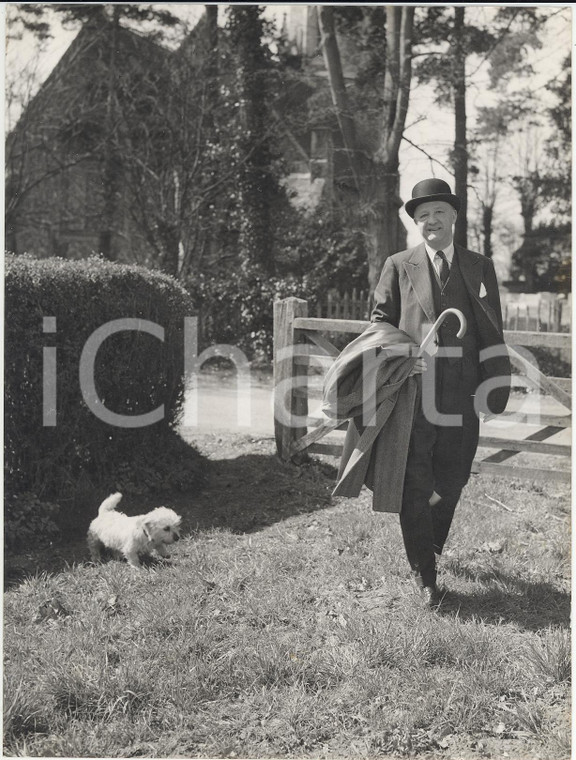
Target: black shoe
(431,596)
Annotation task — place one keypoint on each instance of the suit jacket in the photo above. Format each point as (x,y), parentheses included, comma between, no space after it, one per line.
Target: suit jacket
(404,298)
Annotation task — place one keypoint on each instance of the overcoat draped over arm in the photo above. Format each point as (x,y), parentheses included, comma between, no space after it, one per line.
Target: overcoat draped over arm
(370,384)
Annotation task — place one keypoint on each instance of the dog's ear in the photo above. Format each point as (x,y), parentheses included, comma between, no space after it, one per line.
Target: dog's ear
(146,528)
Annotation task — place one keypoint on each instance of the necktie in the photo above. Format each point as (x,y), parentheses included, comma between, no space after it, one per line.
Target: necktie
(444,267)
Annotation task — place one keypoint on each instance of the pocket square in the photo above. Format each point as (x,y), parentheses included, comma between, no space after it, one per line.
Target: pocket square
(483,291)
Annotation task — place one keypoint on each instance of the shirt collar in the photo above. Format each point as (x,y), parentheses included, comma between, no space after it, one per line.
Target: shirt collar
(448,252)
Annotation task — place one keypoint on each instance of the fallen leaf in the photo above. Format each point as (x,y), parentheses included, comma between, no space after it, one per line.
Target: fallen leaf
(493,547)
(51,609)
(111,605)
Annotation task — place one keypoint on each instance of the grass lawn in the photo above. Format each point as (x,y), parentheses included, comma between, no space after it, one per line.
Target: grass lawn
(286,625)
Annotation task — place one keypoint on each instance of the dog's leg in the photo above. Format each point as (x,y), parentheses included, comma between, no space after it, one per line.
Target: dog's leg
(95,547)
(132,558)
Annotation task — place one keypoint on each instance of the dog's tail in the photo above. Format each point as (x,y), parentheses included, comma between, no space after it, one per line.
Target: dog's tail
(110,504)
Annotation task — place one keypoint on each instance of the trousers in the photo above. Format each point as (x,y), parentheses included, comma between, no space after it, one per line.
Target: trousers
(439,459)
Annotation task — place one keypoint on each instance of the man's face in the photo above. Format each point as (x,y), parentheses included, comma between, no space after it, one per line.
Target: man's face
(434,220)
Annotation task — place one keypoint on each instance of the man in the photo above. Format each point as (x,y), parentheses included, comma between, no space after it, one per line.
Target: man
(416,285)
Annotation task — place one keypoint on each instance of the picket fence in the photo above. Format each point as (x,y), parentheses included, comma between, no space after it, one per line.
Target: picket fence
(540,315)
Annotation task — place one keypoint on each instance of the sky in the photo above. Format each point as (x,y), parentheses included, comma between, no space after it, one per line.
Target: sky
(431,126)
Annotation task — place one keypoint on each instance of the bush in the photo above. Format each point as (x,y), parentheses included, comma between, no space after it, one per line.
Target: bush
(313,254)
(554,362)
(29,522)
(134,373)
(325,251)
(238,311)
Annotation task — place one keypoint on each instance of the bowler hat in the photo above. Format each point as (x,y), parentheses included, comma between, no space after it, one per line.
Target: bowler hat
(431,190)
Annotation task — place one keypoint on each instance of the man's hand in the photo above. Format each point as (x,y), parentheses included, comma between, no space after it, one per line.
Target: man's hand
(418,368)
(406,349)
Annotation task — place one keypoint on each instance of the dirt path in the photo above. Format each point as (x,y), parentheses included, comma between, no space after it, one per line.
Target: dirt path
(222,406)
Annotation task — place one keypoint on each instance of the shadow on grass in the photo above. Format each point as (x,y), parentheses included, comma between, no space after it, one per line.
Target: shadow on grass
(529,605)
(242,494)
(252,491)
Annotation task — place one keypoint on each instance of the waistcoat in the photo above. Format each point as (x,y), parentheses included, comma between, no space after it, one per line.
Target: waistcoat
(454,295)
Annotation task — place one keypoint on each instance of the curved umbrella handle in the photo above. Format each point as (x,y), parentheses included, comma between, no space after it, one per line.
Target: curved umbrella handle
(436,326)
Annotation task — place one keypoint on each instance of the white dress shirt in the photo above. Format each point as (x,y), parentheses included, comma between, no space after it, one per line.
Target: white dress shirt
(448,252)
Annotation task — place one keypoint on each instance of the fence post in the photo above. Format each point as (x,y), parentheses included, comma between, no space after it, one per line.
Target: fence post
(557,315)
(345,306)
(287,374)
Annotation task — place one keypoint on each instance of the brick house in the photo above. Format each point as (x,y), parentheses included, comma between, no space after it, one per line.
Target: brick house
(67,193)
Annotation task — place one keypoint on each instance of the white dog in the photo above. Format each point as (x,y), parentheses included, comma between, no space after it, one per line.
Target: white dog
(132,536)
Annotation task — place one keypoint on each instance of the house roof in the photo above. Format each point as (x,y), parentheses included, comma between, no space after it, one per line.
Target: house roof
(84,59)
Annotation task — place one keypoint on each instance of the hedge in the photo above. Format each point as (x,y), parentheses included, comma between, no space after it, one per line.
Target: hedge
(58,304)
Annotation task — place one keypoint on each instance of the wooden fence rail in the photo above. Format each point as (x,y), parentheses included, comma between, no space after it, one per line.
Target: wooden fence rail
(300,347)
(547,315)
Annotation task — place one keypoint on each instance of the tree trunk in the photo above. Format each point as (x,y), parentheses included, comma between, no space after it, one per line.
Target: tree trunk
(528,190)
(385,233)
(460,155)
(210,214)
(112,169)
(10,237)
(170,241)
(528,259)
(255,182)
(487,218)
(211,12)
(333,64)
(212,54)
(376,177)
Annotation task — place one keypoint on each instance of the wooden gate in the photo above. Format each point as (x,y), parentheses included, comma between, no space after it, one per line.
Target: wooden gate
(302,351)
